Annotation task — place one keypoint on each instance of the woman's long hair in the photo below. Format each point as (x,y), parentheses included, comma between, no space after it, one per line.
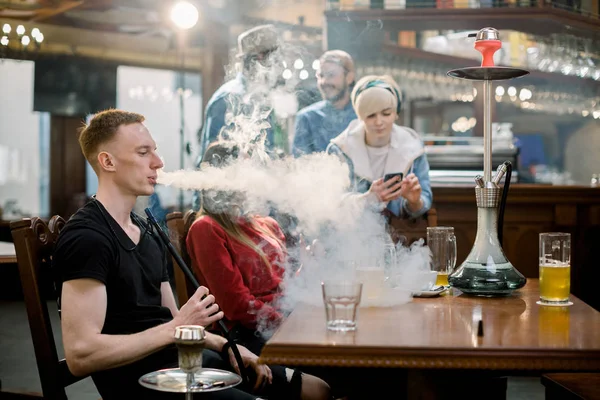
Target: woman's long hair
(219,155)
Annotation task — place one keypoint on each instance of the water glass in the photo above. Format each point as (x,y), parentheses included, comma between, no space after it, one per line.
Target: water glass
(442,243)
(341,304)
(555,268)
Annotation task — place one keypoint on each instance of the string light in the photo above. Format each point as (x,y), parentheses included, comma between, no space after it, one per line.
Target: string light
(17,39)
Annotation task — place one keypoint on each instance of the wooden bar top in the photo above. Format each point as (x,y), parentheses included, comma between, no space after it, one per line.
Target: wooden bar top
(441,332)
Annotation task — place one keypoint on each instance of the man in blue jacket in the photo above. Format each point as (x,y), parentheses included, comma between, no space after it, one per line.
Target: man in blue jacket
(247,93)
(245,96)
(318,123)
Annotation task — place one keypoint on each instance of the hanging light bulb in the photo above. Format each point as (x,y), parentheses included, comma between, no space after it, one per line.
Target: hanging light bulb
(184,15)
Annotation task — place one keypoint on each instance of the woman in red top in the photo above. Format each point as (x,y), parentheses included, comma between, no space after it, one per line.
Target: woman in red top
(239,257)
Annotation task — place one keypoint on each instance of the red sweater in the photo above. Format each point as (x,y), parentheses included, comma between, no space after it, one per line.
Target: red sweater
(236,275)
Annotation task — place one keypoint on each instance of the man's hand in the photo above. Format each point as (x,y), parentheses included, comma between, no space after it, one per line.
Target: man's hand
(411,191)
(198,311)
(387,190)
(264,376)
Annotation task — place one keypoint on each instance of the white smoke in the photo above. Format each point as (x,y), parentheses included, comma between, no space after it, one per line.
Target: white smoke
(352,240)
(351,243)
(311,187)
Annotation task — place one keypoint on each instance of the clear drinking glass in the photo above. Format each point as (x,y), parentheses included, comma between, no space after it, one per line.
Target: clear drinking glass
(442,243)
(555,268)
(341,304)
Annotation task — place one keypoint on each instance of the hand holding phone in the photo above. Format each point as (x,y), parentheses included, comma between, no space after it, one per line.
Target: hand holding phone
(387,177)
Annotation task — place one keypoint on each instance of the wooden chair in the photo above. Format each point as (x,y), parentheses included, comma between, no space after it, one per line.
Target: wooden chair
(34,244)
(410,230)
(178,225)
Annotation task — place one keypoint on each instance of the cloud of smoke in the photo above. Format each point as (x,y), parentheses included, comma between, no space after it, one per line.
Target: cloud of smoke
(352,240)
(310,188)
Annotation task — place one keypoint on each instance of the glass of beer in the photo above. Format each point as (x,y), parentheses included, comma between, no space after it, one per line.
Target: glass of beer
(442,243)
(555,268)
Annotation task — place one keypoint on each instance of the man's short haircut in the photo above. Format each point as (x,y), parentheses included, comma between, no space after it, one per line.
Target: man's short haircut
(339,57)
(102,128)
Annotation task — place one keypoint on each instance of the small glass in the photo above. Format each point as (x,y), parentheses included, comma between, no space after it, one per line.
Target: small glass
(341,304)
(442,243)
(555,269)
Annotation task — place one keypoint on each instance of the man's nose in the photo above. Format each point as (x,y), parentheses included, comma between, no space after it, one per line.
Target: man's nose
(158,162)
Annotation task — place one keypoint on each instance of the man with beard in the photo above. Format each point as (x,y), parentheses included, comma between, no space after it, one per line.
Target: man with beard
(246,95)
(318,123)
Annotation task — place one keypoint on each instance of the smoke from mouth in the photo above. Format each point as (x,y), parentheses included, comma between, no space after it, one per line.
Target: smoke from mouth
(310,188)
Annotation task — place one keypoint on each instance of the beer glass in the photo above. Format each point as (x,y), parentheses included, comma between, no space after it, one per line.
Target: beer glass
(555,268)
(442,243)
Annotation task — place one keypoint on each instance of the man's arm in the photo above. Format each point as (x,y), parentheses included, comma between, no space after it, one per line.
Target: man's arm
(168,299)
(87,350)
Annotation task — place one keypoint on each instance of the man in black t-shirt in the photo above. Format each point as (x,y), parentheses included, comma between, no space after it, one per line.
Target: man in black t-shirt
(118,311)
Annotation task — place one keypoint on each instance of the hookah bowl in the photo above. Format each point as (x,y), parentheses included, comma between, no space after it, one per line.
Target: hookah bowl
(487,271)
(190,377)
(190,341)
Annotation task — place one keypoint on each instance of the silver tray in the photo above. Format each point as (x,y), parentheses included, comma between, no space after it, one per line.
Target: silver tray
(487,73)
(174,380)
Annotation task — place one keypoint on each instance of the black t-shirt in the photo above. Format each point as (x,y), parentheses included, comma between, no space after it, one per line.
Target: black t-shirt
(93,245)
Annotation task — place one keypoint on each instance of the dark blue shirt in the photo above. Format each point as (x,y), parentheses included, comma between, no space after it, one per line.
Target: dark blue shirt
(317,124)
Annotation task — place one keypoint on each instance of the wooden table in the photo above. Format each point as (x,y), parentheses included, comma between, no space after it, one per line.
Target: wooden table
(441,333)
(7,253)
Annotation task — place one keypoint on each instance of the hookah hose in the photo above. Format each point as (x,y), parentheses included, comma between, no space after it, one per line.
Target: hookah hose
(503,200)
(189,275)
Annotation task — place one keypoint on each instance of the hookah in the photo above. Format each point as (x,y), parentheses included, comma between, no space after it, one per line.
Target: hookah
(190,377)
(190,341)
(486,270)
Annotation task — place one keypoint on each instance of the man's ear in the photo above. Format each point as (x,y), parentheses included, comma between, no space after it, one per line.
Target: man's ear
(106,161)
(349,78)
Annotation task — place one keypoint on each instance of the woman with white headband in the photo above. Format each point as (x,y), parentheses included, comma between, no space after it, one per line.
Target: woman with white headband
(374,146)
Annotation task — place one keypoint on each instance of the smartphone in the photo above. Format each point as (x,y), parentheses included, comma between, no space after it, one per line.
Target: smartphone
(387,177)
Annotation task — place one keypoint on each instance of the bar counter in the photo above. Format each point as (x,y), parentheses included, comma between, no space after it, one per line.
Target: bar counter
(530,210)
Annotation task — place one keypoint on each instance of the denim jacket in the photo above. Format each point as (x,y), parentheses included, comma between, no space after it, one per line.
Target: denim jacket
(317,124)
(406,155)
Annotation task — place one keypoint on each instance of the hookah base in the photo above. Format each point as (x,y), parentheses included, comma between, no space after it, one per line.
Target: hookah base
(481,280)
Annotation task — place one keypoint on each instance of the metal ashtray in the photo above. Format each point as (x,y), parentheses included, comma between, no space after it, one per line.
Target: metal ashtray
(175,380)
